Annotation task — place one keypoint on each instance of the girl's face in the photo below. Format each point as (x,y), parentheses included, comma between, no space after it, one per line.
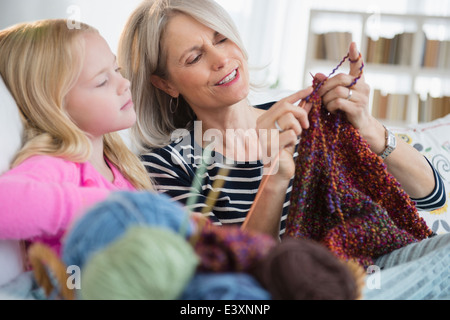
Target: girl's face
(206,68)
(100,101)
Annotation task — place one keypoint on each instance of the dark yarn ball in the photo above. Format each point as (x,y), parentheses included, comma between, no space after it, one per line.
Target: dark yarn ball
(299,269)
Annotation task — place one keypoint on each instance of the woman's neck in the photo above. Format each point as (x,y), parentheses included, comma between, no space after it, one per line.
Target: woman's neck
(239,116)
(233,131)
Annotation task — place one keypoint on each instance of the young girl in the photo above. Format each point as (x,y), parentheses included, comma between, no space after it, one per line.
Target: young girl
(73,101)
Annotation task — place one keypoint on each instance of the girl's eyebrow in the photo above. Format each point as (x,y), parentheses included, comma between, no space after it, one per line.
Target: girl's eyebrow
(196,48)
(105,69)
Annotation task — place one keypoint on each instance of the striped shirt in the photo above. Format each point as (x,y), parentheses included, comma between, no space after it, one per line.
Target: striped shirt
(437,198)
(173,169)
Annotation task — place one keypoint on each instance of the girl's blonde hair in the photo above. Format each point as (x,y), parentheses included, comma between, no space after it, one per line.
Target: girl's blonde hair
(39,63)
(141,54)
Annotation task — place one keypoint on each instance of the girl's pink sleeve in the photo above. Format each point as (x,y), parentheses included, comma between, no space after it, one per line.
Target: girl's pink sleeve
(42,197)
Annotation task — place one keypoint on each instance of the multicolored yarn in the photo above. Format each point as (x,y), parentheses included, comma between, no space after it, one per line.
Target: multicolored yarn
(229,249)
(343,196)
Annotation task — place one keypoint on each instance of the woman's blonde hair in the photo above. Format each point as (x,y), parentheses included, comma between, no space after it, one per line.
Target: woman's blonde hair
(141,54)
(39,63)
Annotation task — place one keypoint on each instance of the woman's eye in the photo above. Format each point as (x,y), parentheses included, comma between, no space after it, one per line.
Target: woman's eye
(195,60)
(222,40)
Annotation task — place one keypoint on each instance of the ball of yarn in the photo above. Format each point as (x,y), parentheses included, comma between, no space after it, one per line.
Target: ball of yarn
(224,286)
(110,219)
(299,269)
(145,264)
(229,248)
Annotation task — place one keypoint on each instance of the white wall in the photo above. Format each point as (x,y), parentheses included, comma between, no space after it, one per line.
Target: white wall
(109,16)
(274,31)
(15,11)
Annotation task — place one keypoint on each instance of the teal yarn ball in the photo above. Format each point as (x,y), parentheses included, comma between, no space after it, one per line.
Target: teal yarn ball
(147,263)
(110,219)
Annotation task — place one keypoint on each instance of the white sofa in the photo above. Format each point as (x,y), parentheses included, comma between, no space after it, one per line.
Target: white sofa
(10,141)
(432,139)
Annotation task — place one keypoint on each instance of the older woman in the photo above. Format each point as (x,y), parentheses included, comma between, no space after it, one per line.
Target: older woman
(190,82)
(189,70)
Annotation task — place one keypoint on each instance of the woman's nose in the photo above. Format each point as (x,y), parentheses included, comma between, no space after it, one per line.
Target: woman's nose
(219,59)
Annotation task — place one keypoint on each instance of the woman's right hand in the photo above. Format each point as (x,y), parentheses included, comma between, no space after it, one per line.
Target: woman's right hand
(285,120)
(278,147)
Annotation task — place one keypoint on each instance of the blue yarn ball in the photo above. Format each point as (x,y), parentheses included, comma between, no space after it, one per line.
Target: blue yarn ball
(224,286)
(107,221)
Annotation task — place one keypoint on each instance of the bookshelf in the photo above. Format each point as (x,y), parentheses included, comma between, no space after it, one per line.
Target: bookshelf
(407,60)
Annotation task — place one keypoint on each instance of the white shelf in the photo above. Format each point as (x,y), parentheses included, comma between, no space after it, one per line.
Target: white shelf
(411,80)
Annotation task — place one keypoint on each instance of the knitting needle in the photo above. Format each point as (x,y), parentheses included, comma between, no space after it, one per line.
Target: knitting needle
(196,188)
(198,179)
(215,191)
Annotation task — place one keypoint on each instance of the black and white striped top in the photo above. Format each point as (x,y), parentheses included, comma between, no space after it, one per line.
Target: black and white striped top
(437,198)
(174,174)
(173,169)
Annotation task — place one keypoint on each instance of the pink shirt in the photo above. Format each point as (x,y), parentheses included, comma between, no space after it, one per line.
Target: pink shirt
(40,198)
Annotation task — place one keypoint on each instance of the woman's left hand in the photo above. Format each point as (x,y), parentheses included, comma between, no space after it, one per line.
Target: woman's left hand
(336,95)
(353,101)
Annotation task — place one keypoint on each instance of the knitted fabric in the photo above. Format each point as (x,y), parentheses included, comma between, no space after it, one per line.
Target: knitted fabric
(344,197)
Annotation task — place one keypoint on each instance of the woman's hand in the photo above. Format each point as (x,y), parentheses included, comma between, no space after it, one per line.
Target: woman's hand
(279,129)
(415,175)
(353,101)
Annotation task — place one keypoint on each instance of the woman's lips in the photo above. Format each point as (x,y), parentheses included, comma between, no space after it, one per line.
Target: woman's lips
(229,79)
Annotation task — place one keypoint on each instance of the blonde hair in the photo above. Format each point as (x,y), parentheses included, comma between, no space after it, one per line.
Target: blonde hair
(141,54)
(40,62)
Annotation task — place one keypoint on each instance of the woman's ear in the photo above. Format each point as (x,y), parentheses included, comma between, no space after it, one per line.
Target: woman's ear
(164,85)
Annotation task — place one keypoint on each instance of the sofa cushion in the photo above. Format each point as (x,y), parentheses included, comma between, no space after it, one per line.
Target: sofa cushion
(10,127)
(10,141)
(432,139)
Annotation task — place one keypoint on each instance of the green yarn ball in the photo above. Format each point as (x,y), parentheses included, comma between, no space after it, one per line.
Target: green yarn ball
(147,263)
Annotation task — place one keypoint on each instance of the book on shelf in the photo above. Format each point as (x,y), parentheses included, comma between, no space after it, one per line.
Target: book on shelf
(436,54)
(433,108)
(431,53)
(332,45)
(393,107)
(394,51)
(398,51)
(444,55)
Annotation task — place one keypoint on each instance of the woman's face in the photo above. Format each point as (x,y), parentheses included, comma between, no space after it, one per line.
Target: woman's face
(206,68)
